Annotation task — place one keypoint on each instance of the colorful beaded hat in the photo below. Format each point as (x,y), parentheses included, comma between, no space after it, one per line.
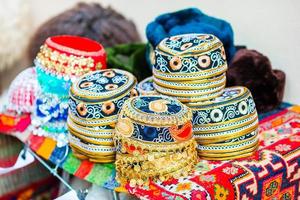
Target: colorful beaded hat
(71,55)
(64,58)
(61,60)
(94,104)
(22,92)
(152,135)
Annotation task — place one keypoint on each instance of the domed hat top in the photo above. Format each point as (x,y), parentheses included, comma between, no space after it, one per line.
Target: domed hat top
(189,53)
(157,111)
(71,55)
(154,119)
(145,87)
(102,85)
(189,44)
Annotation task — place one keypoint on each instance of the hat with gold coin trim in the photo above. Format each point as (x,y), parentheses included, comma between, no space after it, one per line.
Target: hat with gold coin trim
(226,126)
(94,104)
(64,58)
(61,60)
(154,141)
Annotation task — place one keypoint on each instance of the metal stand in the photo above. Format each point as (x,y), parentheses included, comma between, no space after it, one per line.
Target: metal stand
(81,194)
(115,195)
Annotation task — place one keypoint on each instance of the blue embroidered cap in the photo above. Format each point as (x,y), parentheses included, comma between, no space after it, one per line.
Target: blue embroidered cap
(96,98)
(155,119)
(189,54)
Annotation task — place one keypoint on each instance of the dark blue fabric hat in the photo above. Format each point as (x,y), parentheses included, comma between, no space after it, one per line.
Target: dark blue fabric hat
(190,20)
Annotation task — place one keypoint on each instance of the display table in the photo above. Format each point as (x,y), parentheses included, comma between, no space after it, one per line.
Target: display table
(273,171)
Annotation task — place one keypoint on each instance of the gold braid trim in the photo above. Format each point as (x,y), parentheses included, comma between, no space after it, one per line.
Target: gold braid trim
(228,154)
(230,124)
(93,140)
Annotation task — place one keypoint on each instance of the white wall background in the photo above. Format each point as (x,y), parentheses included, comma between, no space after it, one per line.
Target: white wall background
(269,26)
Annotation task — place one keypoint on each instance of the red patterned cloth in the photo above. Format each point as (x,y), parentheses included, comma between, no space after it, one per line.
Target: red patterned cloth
(273,172)
(10,123)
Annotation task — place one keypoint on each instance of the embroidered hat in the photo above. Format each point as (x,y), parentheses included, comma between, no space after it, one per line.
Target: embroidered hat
(22,92)
(64,58)
(61,60)
(227,125)
(71,55)
(152,134)
(189,56)
(190,67)
(94,104)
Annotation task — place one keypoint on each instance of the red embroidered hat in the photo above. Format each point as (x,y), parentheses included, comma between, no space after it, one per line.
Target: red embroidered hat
(22,92)
(68,55)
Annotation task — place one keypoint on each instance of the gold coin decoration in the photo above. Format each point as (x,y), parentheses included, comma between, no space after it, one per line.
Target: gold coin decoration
(124,127)
(142,154)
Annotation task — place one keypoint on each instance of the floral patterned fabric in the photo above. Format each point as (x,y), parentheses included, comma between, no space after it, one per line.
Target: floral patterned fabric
(273,172)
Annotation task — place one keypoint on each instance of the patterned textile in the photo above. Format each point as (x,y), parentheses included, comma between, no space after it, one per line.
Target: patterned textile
(99,174)
(273,172)
(10,123)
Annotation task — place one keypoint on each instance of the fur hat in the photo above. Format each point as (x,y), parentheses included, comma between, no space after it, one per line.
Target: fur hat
(253,70)
(93,21)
